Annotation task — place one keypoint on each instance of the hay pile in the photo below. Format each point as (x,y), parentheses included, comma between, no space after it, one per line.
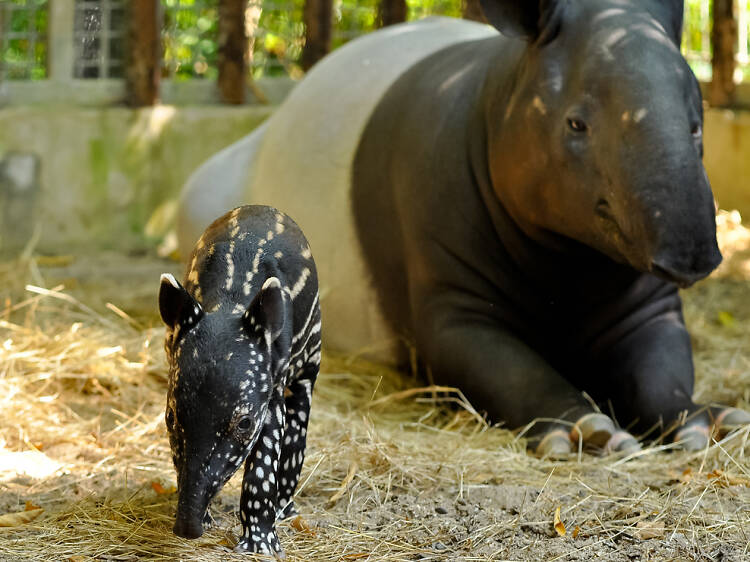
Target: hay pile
(393,472)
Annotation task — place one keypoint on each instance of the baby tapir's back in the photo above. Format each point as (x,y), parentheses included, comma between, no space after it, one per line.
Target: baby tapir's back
(242,249)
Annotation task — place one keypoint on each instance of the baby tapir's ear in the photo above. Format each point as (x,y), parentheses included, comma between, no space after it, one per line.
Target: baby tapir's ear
(176,305)
(267,312)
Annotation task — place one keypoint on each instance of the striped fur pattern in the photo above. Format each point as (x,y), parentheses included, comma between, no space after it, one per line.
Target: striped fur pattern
(243,346)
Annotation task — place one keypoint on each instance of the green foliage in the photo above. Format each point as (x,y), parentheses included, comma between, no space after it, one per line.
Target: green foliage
(23,58)
(189,38)
(279,39)
(190,33)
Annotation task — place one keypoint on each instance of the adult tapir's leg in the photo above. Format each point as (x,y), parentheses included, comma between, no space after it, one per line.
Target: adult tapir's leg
(648,377)
(502,375)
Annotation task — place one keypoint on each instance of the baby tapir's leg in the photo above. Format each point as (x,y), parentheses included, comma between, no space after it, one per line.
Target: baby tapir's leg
(258,502)
(295,437)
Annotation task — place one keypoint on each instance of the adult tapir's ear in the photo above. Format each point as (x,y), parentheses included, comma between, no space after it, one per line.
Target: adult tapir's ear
(670,14)
(267,312)
(176,305)
(535,20)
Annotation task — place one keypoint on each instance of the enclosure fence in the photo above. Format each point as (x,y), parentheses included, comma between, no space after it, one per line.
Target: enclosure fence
(95,31)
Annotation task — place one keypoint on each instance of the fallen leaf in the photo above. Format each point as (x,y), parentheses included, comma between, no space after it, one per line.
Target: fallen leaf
(353,466)
(356,555)
(649,530)
(301,526)
(54,261)
(576,531)
(226,543)
(161,490)
(19,518)
(725,318)
(725,479)
(76,559)
(559,525)
(30,506)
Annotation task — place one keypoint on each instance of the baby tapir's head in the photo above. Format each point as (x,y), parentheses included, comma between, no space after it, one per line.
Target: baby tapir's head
(222,367)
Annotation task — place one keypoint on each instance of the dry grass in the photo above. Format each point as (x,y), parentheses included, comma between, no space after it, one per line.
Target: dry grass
(392,473)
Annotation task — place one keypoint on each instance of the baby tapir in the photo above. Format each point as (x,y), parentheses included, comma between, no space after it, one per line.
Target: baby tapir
(243,347)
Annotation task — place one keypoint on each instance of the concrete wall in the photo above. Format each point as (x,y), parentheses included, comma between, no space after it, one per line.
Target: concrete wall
(103,171)
(727,158)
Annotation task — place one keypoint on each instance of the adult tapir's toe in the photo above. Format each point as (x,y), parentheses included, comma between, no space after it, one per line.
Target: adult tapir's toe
(593,429)
(729,419)
(622,442)
(693,437)
(555,444)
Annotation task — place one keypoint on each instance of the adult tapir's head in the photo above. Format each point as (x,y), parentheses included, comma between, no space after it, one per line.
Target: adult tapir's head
(221,372)
(599,138)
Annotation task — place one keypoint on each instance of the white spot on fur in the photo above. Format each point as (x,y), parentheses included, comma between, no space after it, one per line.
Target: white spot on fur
(230,266)
(300,284)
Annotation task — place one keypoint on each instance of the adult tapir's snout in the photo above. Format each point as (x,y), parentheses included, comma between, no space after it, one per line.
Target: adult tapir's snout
(682,227)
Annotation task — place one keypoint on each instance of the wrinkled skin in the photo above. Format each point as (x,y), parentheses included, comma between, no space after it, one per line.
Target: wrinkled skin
(243,346)
(528,207)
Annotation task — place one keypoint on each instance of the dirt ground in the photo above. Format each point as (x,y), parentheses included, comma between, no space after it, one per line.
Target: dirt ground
(393,471)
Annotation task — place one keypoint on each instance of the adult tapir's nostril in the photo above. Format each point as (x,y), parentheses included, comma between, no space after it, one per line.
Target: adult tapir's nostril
(682,276)
(188,528)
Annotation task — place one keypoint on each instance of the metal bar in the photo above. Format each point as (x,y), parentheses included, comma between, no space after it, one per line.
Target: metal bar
(60,51)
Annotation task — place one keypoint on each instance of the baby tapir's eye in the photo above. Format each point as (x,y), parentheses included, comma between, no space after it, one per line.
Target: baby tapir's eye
(245,423)
(170,417)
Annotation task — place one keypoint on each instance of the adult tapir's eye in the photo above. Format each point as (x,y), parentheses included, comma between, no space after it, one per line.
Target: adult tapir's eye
(577,125)
(696,130)
(245,423)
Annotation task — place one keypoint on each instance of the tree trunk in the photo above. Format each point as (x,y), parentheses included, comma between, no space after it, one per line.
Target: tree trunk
(233,50)
(318,18)
(471,10)
(723,42)
(143,58)
(391,12)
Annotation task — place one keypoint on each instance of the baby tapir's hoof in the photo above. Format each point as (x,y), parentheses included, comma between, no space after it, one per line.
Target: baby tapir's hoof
(592,430)
(267,544)
(697,435)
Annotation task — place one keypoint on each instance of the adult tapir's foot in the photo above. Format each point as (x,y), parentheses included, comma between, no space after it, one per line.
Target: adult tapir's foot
(696,435)
(593,430)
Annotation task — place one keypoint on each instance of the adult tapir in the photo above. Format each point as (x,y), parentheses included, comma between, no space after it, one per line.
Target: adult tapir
(524,206)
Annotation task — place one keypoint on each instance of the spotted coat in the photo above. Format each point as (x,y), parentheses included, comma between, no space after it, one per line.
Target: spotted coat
(243,347)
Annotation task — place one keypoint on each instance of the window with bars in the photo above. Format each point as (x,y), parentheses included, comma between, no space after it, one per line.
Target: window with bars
(96,34)
(98,38)
(23,39)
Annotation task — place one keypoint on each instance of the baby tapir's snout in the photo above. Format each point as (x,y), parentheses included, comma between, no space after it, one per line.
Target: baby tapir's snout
(188,527)
(243,347)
